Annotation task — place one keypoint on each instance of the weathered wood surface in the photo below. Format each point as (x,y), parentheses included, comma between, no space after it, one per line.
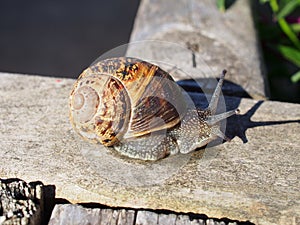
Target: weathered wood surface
(76,214)
(193,36)
(20,203)
(255,177)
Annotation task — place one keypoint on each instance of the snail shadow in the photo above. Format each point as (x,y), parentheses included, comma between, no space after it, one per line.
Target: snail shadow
(236,125)
(243,123)
(207,86)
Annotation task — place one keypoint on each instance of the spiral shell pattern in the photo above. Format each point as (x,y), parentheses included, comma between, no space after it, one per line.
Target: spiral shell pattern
(95,103)
(122,98)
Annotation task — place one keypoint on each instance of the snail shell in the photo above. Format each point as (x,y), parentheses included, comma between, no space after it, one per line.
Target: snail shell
(126,103)
(119,98)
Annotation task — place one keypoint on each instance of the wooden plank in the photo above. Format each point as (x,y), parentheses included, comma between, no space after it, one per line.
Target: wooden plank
(126,217)
(146,217)
(76,214)
(198,40)
(254,177)
(20,202)
(167,219)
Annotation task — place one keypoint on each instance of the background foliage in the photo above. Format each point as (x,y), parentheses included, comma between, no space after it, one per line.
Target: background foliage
(278,23)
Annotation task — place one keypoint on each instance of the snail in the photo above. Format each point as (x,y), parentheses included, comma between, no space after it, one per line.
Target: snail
(137,109)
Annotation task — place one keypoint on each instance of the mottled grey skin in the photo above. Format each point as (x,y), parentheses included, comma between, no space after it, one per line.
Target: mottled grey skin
(196,129)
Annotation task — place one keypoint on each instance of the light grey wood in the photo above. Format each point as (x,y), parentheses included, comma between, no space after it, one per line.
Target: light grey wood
(182,220)
(106,216)
(74,215)
(167,219)
(197,222)
(126,217)
(146,218)
(114,217)
(253,178)
(196,38)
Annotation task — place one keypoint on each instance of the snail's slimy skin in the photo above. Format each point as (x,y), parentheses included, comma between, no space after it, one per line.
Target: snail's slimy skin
(137,109)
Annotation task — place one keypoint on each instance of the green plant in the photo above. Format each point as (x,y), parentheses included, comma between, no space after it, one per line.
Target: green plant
(288,46)
(281,10)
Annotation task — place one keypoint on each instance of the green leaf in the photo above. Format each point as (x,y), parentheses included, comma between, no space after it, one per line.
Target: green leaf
(282,3)
(291,54)
(221,5)
(295,27)
(296,77)
(274,6)
(288,8)
(263,1)
(284,25)
(289,32)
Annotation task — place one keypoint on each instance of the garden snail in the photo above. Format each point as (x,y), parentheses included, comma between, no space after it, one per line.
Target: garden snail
(137,109)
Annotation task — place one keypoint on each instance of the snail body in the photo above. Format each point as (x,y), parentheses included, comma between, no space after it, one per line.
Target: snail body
(137,109)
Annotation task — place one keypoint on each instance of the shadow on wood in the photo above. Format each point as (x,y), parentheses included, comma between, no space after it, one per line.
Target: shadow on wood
(244,122)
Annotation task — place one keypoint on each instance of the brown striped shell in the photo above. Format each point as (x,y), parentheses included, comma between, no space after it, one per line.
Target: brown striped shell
(122,98)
